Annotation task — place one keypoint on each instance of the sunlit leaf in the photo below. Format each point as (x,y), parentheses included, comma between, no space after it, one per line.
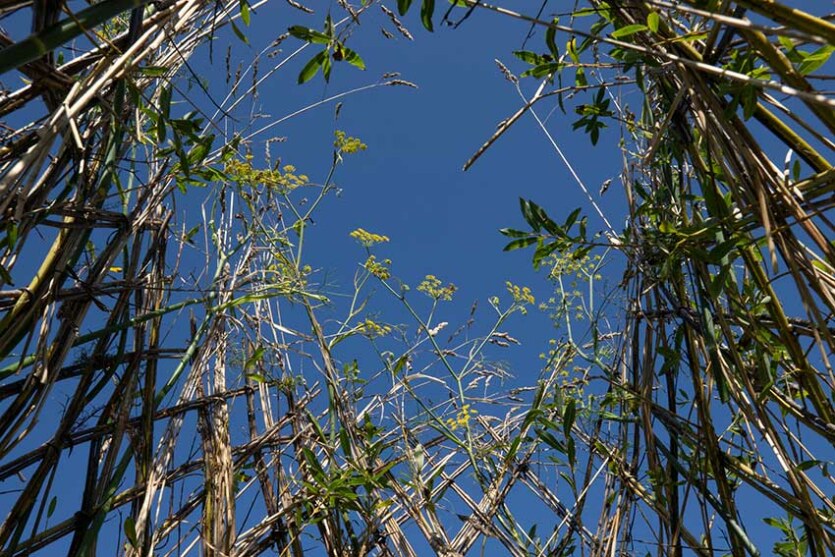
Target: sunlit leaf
(628,30)
(312,66)
(653,20)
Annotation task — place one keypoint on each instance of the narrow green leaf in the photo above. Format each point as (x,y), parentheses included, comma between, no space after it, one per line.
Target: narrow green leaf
(628,30)
(239,33)
(165,102)
(403,6)
(543,251)
(653,20)
(585,12)
(808,464)
(551,40)
(253,360)
(313,462)
(514,448)
(326,68)
(12,235)
(312,66)
(520,243)
(568,416)
(51,509)
(572,218)
(690,37)
(571,49)
(245,12)
(815,60)
(427,10)
(153,71)
(513,233)
(400,363)
(352,58)
(527,213)
(543,70)
(529,57)
(580,78)
(130,531)
(309,35)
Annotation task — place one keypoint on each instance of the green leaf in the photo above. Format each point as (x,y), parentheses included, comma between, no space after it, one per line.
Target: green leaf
(550,39)
(352,58)
(253,360)
(514,448)
(309,35)
(130,531)
(572,218)
(628,30)
(568,417)
(808,464)
(543,251)
(536,217)
(11,234)
(400,363)
(153,71)
(520,243)
(239,33)
(199,152)
(580,78)
(543,70)
(312,66)
(689,38)
(427,10)
(245,12)
(165,103)
(315,468)
(585,12)
(329,28)
(653,20)
(571,49)
(513,233)
(529,57)
(528,213)
(815,60)
(326,68)
(571,452)
(51,509)
(403,6)
(719,252)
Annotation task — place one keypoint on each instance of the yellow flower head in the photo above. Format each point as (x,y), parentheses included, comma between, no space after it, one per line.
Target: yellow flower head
(431,286)
(348,145)
(368,239)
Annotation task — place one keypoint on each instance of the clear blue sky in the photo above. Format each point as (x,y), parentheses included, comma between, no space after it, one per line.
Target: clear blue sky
(409,184)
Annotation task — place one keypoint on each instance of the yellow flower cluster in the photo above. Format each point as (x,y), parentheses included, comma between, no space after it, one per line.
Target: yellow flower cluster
(283,180)
(462,418)
(372,329)
(585,268)
(368,239)
(379,270)
(431,286)
(521,295)
(348,145)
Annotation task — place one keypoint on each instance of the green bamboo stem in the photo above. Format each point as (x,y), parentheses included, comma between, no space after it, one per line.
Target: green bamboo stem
(792,17)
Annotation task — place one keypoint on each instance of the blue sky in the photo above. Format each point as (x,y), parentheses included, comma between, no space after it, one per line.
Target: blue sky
(409,184)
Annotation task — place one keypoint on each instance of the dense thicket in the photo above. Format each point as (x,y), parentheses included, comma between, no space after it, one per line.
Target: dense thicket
(703,410)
